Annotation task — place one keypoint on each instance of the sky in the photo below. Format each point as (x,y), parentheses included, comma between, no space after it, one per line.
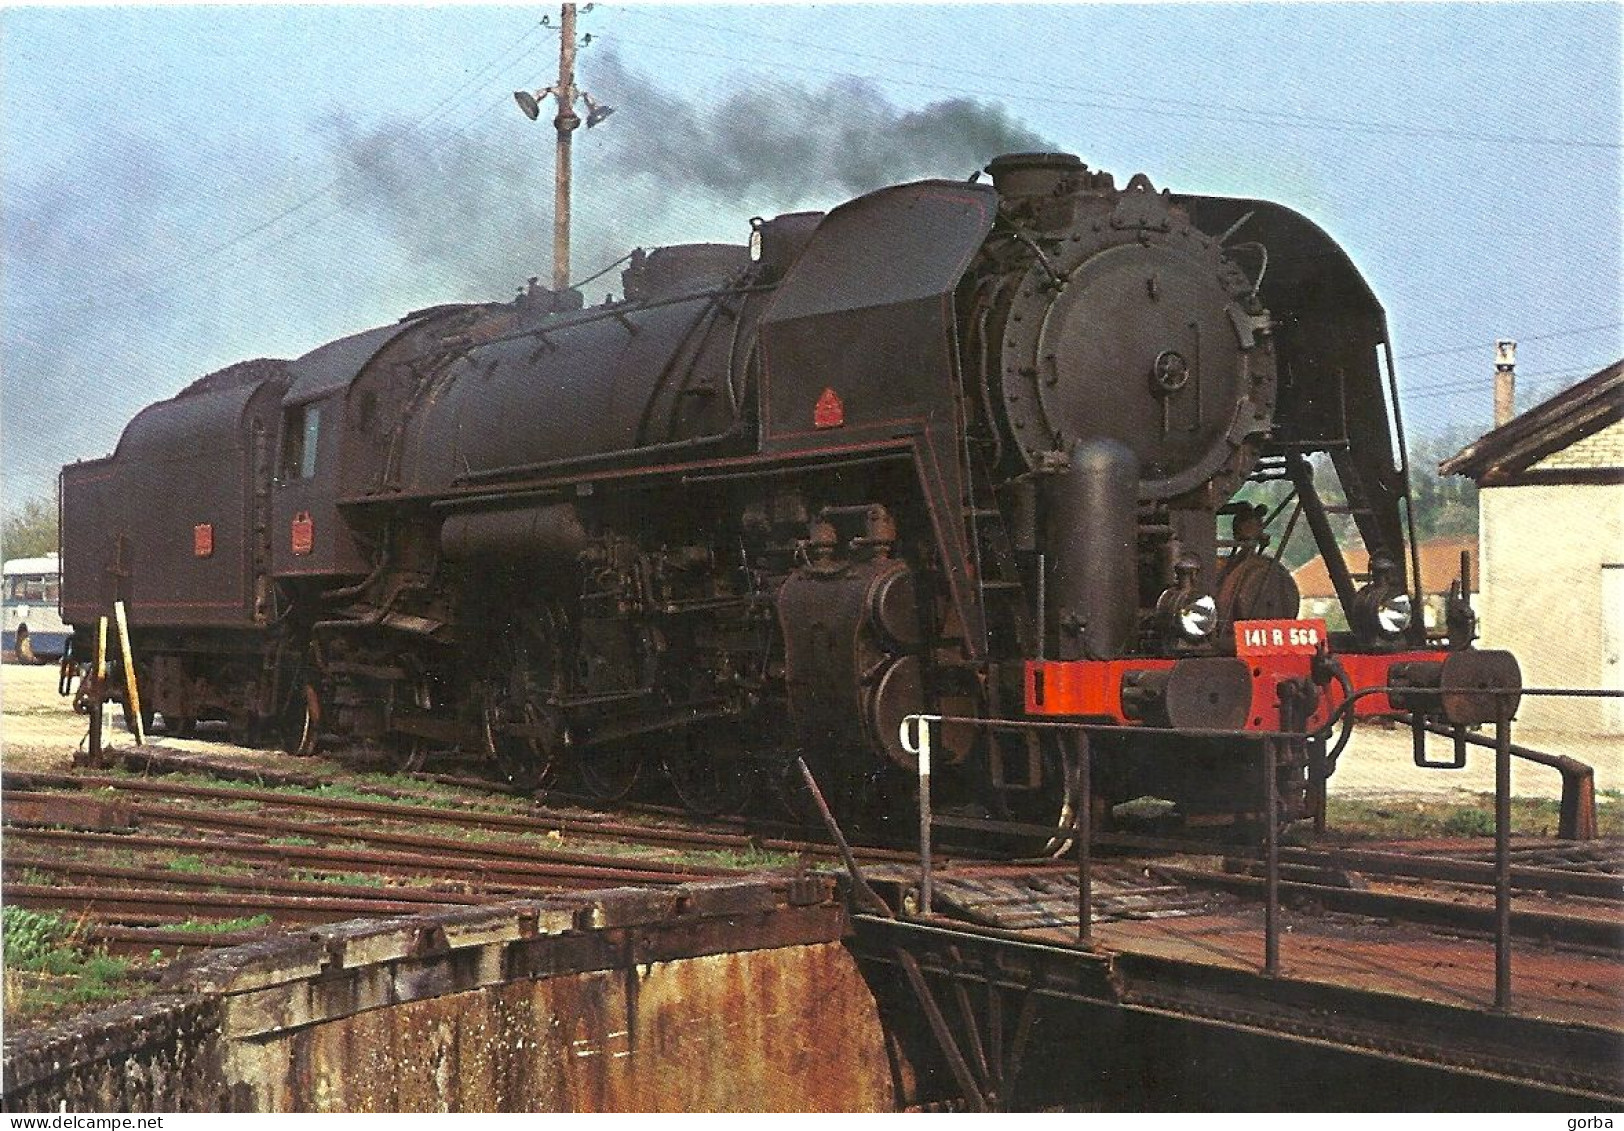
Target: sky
(185,187)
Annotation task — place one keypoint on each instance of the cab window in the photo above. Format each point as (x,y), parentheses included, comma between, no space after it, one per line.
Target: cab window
(301,439)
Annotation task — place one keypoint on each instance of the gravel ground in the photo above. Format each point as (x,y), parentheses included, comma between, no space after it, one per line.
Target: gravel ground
(39,731)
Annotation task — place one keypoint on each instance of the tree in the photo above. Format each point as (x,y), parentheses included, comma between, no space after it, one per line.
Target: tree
(29,531)
(1444,505)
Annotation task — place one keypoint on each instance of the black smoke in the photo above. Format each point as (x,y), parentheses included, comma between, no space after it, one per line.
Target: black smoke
(150,258)
(476,207)
(793,145)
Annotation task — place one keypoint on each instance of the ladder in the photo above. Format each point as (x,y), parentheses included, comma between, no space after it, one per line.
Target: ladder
(1005,621)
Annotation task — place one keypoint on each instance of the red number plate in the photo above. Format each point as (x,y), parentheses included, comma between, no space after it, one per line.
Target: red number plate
(1279,637)
(302,534)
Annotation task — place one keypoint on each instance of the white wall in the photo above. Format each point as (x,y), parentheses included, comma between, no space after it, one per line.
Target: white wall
(1542,551)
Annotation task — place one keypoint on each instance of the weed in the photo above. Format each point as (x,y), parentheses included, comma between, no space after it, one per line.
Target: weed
(745,859)
(345,879)
(1468,822)
(186,865)
(292,841)
(341,791)
(48,968)
(29,937)
(1461,814)
(223,926)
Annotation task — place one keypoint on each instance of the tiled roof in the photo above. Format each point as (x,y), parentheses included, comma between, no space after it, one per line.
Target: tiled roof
(1440,564)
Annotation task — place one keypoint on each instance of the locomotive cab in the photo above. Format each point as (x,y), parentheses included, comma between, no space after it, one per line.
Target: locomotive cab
(310,541)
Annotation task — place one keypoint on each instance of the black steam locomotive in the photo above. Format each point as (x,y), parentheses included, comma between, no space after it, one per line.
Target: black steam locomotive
(953,447)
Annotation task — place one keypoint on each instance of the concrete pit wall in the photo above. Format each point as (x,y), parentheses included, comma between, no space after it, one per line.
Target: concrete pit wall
(709,997)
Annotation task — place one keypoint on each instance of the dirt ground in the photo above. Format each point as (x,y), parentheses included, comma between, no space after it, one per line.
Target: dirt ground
(39,731)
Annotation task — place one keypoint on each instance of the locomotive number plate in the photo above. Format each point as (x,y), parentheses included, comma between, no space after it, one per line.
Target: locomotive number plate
(1279,637)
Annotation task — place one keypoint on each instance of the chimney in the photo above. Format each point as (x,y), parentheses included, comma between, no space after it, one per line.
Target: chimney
(1505,381)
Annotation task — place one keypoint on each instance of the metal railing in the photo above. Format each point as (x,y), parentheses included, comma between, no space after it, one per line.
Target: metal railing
(916,738)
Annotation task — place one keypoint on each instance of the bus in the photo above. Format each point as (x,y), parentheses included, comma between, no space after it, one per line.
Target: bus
(29,591)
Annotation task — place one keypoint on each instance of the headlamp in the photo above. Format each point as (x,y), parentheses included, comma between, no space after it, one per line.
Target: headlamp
(1198,618)
(1382,611)
(1393,614)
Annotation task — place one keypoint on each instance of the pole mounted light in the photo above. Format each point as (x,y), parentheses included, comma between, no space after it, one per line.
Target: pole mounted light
(531,103)
(595,111)
(566,121)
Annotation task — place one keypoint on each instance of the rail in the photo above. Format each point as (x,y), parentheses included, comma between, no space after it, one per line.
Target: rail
(915,733)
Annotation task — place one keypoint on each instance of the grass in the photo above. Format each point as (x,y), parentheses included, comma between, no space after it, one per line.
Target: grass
(189,865)
(341,879)
(431,795)
(52,971)
(50,968)
(747,859)
(223,926)
(1461,815)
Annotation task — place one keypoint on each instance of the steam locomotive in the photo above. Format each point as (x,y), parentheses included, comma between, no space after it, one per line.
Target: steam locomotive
(956,447)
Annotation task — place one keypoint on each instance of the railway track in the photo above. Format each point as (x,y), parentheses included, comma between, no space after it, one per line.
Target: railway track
(1594,925)
(147,864)
(144,863)
(310,856)
(562,803)
(68,872)
(539,821)
(450,860)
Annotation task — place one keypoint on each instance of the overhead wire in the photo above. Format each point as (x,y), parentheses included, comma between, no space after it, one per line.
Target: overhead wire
(504,59)
(519,46)
(332,211)
(1548,378)
(1199,110)
(1568,333)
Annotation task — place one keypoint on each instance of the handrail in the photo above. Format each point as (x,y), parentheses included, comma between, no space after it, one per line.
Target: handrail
(914,733)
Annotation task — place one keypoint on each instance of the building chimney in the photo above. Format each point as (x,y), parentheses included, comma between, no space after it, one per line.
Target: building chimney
(1505,381)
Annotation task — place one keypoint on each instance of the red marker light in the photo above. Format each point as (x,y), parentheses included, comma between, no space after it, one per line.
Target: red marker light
(830,411)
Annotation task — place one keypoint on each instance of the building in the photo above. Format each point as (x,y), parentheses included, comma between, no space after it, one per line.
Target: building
(1440,564)
(1551,543)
